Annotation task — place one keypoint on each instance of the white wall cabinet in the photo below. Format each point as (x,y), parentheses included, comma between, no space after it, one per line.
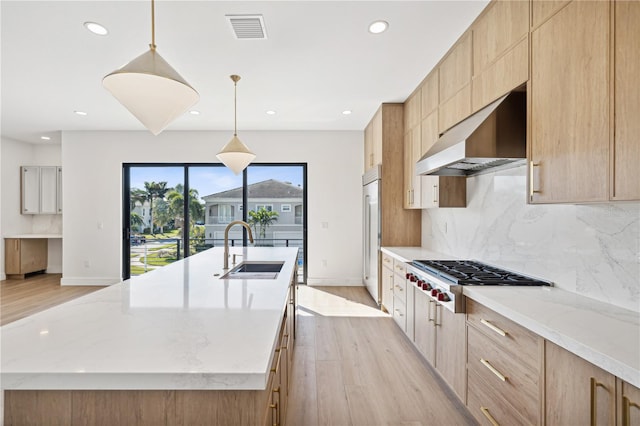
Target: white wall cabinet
(41,189)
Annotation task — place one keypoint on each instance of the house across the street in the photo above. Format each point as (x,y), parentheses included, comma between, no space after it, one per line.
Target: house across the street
(272,195)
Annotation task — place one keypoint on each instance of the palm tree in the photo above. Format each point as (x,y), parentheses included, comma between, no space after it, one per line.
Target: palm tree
(163,214)
(136,220)
(175,198)
(152,191)
(262,219)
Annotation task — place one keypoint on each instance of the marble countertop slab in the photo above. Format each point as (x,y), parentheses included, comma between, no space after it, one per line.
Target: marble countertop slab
(24,236)
(604,334)
(408,254)
(177,327)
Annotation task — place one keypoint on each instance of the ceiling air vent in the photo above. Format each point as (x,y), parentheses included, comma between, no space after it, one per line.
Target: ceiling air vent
(247,27)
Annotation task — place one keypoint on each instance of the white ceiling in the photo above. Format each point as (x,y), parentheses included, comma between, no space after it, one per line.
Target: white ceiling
(318,60)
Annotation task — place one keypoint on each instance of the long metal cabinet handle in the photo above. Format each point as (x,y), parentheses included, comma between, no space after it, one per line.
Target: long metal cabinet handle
(594,400)
(435,193)
(493,327)
(489,417)
(532,189)
(429,311)
(491,368)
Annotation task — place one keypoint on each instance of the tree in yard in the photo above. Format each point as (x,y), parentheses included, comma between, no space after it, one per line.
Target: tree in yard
(175,198)
(153,191)
(163,214)
(261,220)
(136,221)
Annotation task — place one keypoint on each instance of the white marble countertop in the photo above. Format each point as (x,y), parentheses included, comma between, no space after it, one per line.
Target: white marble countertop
(407,254)
(177,327)
(603,334)
(23,236)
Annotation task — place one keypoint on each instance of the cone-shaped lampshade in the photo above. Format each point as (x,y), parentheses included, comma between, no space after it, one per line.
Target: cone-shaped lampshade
(151,90)
(235,155)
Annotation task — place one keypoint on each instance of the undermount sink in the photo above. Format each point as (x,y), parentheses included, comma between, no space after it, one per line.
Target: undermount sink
(254,270)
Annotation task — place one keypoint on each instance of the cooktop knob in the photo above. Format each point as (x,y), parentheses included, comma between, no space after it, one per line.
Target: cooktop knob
(443,297)
(435,292)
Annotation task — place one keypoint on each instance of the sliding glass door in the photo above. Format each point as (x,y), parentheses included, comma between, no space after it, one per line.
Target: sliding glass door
(175,210)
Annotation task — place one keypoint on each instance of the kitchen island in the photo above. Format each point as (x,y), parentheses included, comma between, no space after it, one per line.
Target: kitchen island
(178,345)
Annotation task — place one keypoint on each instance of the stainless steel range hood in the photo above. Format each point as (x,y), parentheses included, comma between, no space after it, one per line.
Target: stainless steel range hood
(492,138)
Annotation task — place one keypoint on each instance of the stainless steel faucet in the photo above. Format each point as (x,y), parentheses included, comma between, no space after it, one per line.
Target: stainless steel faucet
(226,239)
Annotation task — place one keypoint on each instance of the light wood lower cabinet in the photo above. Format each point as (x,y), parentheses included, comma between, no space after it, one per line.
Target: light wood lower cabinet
(439,335)
(577,392)
(387,283)
(24,255)
(504,369)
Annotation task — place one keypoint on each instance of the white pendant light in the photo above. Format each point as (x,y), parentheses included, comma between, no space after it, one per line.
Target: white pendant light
(150,88)
(235,155)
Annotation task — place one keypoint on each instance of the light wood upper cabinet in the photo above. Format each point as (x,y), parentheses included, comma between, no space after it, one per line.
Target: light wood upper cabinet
(430,94)
(412,110)
(373,141)
(454,86)
(412,182)
(577,392)
(569,106)
(541,10)
(502,76)
(625,183)
(502,25)
(412,150)
(455,69)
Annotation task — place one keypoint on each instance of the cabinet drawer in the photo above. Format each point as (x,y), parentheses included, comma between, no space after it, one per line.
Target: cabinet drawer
(485,404)
(400,288)
(387,261)
(516,339)
(400,313)
(400,268)
(513,381)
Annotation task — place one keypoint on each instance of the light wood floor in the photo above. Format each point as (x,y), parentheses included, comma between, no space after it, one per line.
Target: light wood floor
(353,366)
(21,298)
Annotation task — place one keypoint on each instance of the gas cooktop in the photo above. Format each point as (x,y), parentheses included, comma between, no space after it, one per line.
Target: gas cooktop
(469,272)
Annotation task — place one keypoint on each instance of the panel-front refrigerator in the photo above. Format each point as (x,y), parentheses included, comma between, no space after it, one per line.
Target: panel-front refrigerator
(371,232)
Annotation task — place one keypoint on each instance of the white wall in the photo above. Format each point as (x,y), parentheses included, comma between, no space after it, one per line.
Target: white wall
(592,249)
(92,194)
(14,155)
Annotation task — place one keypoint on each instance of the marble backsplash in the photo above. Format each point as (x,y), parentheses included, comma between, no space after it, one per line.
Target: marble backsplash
(590,249)
(46,224)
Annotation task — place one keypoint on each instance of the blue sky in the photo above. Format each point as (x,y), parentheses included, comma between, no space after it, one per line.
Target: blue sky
(209,180)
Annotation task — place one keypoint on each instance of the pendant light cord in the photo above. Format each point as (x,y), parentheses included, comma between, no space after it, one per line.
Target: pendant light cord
(235,108)
(153,26)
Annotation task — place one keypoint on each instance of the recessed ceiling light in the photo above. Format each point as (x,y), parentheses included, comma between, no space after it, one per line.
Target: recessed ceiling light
(271,112)
(45,138)
(378,27)
(346,112)
(80,113)
(96,28)
(194,112)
